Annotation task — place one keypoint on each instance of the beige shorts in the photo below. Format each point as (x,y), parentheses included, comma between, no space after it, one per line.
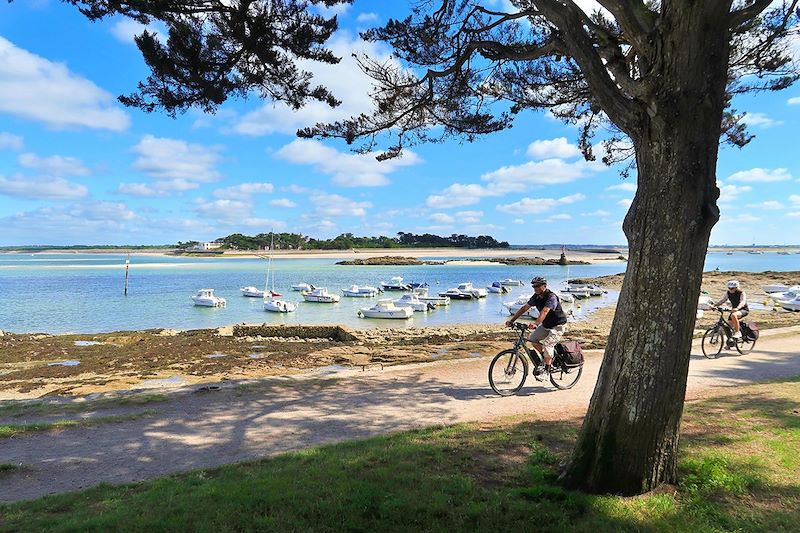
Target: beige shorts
(548,338)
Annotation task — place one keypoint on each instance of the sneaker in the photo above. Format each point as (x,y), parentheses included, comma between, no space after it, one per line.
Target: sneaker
(538,370)
(737,335)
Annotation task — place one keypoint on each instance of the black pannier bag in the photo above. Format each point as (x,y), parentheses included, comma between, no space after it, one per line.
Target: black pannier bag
(570,352)
(750,330)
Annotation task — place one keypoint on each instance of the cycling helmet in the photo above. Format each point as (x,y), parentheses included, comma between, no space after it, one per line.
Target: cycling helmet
(538,280)
(733,284)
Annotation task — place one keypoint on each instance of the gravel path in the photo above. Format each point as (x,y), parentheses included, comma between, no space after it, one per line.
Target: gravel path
(201,429)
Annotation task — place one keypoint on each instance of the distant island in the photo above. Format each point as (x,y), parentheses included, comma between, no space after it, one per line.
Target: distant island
(347,241)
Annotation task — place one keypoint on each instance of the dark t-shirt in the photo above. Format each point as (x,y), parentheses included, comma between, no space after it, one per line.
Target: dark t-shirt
(556,316)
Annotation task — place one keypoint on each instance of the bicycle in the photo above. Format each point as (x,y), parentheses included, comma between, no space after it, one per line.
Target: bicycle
(509,369)
(721,334)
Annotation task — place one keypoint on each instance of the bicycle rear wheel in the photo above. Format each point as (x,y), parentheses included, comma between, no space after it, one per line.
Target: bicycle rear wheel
(712,342)
(565,377)
(744,345)
(507,372)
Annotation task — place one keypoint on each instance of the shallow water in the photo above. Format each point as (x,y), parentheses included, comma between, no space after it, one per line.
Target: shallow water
(58,293)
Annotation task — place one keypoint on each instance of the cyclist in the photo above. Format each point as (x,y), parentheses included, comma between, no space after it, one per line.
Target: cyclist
(550,323)
(739,309)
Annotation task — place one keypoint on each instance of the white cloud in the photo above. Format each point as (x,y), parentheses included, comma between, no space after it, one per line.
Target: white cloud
(54,166)
(729,193)
(458,195)
(795,200)
(760,120)
(625,202)
(70,224)
(761,175)
(345,80)
(793,214)
(367,17)
(547,172)
(598,213)
(347,170)
(769,204)
(560,216)
(139,189)
(326,224)
(744,217)
(329,11)
(334,205)
(442,218)
(282,202)
(296,189)
(176,165)
(793,100)
(10,142)
(627,187)
(41,188)
(244,191)
(518,221)
(558,148)
(126,29)
(536,206)
(469,217)
(34,88)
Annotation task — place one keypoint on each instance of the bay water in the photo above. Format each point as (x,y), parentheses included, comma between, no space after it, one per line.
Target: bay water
(83,293)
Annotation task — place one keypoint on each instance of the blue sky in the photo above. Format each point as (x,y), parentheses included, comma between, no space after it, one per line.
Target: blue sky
(76,167)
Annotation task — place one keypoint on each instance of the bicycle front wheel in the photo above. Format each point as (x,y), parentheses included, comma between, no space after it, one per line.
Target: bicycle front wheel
(712,342)
(565,377)
(507,372)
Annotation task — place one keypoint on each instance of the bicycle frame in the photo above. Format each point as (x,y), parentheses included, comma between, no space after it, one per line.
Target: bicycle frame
(532,353)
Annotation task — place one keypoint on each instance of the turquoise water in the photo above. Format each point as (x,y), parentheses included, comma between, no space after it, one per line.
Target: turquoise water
(57,293)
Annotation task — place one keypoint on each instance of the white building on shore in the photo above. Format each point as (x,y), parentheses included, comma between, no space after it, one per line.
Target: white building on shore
(207,246)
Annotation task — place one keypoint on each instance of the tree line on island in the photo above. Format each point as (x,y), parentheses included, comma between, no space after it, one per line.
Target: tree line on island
(346,241)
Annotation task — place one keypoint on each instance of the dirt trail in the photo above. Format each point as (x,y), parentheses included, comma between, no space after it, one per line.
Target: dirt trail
(206,429)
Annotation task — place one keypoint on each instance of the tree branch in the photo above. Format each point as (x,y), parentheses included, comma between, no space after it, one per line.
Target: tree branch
(740,16)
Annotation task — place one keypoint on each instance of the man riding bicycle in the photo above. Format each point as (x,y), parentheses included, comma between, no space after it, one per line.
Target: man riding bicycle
(739,308)
(550,323)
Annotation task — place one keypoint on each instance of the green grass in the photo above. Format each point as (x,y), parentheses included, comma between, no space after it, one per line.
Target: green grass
(13,430)
(739,472)
(18,409)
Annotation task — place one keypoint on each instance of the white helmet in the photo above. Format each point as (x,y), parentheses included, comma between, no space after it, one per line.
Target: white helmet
(733,284)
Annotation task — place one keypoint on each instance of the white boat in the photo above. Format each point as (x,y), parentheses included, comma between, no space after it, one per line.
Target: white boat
(791,294)
(422,294)
(515,306)
(704,302)
(497,287)
(784,253)
(360,292)
(476,293)
(385,308)
(413,301)
(395,284)
(511,282)
(252,292)
(206,298)
(456,294)
(776,287)
(272,300)
(755,252)
(279,306)
(303,287)
(566,297)
(321,295)
(581,290)
(791,305)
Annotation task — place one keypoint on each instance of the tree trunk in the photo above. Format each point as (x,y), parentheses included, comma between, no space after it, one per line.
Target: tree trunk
(629,440)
